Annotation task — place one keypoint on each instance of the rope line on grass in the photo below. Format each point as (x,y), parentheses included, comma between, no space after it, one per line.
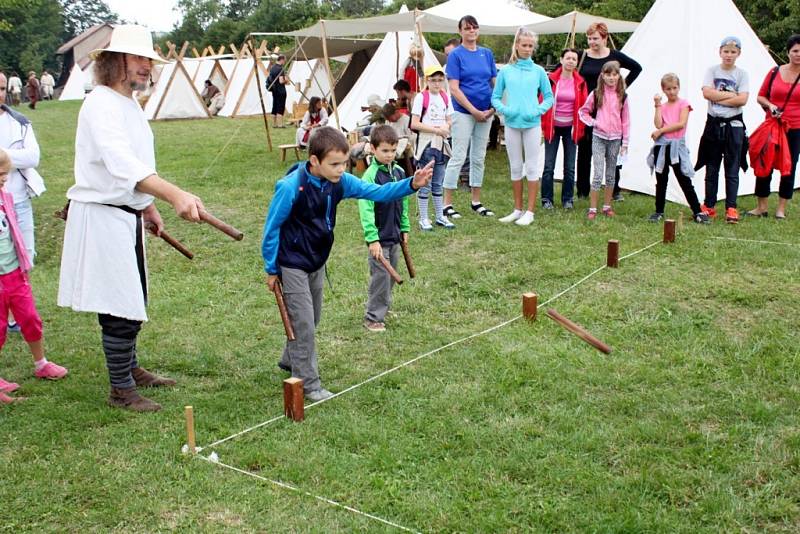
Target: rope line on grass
(290,487)
(425,355)
(233,135)
(757,241)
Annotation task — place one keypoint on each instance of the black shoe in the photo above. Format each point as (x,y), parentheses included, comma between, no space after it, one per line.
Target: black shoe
(655,217)
(619,198)
(547,204)
(284,367)
(701,218)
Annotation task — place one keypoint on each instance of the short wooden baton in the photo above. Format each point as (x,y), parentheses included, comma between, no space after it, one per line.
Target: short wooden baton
(388,266)
(409,262)
(287,323)
(223,227)
(578,331)
(174,243)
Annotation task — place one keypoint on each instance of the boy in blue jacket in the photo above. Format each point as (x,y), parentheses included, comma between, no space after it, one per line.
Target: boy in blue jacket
(298,236)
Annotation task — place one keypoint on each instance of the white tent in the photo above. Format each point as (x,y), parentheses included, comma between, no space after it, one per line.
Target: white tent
(683,36)
(75,88)
(210,69)
(312,80)
(174,96)
(382,72)
(242,91)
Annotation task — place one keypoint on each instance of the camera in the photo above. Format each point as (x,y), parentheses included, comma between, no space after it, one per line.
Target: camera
(775,112)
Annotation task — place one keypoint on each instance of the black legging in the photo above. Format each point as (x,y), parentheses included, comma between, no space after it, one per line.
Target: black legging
(786,188)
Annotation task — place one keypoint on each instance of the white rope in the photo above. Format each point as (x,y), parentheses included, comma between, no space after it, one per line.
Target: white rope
(425,355)
(289,487)
(757,241)
(205,173)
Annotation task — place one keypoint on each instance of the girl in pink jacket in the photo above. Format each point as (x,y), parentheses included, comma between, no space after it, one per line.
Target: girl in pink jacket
(606,111)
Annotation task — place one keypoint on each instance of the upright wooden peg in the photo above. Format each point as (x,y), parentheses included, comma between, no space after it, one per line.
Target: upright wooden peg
(293,405)
(530,302)
(669,231)
(190,441)
(612,259)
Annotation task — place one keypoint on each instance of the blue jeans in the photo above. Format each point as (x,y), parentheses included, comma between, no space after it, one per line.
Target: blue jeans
(564,133)
(439,165)
(24,210)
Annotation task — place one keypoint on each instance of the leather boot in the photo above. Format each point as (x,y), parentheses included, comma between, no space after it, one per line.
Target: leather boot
(130,399)
(146,379)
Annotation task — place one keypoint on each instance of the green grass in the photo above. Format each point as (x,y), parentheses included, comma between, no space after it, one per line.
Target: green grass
(690,425)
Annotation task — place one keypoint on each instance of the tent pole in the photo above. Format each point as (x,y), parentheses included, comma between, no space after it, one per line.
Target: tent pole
(572,31)
(418,28)
(328,70)
(256,59)
(397,57)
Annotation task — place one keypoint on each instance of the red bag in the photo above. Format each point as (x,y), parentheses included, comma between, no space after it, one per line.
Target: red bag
(769,149)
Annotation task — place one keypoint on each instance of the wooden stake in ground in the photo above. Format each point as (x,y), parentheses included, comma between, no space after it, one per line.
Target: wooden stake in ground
(412,272)
(293,406)
(190,441)
(578,331)
(287,323)
(530,302)
(669,231)
(223,227)
(612,259)
(389,269)
(680,223)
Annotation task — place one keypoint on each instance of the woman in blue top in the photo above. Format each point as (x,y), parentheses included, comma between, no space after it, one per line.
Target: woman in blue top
(523,82)
(471,73)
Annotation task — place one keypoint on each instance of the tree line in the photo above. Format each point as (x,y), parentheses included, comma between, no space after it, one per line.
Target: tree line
(32,30)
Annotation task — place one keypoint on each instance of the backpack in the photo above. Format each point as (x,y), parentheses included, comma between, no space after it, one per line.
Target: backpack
(426,101)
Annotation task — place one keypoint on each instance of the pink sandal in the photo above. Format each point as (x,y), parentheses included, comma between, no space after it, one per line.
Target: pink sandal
(8,387)
(51,371)
(6,399)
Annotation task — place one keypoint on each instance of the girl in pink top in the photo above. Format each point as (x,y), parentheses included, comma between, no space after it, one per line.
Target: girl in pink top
(669,148)
(606,111)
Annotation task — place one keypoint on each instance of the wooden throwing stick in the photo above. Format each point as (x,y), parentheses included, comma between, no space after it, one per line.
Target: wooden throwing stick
(579,331)
(412,272)
(174,243)
(287,323)
(389,269)
(223,227)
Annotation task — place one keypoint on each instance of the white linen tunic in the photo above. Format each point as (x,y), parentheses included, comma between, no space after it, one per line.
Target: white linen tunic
(113,152)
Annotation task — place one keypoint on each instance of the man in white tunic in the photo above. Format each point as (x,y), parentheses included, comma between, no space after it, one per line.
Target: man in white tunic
(103,265)
(48,83)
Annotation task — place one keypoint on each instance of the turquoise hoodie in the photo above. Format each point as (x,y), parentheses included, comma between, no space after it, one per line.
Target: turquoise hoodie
(522,83)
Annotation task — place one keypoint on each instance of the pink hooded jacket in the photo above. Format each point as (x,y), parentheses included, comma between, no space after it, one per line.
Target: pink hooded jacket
(16,234)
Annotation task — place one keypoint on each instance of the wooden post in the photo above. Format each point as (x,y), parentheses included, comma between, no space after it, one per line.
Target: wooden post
(530,303)
(256,60)
(293,399)
(330,76)
(669,231)
(679,229)
(190,441)
(612,259)
(578,331)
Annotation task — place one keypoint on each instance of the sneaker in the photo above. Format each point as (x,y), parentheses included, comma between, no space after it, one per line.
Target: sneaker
(525,220)
(608,212)
(318,395)
(702,218)
(8,387)
(14,328)
(655,217)
(445,223)
(710,212)
(731,216)
(619,198)
(592,215)
(568,205)
(511,217)
(547,204)
(425,225)
(450,211)
(373,326)
(51,371)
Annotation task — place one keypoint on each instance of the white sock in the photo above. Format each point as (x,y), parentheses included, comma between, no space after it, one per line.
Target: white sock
(422,203)
(593,210)
(40,363)
(438,207)
(606,207)
(517,213)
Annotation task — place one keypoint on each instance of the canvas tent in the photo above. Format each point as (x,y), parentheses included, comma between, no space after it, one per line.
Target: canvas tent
(75,88)
(210,69)
(174,96)
(242,91)
(308,79)
(683,36)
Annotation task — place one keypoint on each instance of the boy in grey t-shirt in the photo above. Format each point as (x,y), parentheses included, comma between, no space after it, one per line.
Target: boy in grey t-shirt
(726,87)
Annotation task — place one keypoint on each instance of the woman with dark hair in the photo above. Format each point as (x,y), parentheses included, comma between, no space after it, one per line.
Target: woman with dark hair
(471,72)
(589,66)
(276,84)
(780,97)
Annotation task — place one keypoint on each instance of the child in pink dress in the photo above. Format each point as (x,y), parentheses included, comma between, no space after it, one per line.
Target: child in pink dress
(15,291)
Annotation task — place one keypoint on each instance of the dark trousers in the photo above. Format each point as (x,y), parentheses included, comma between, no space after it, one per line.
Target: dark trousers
(723,140)
(119,345)
(583,179)
(786,189)
(662,178)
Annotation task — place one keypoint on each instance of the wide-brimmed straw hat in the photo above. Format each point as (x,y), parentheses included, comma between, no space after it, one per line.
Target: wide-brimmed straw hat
(130,39)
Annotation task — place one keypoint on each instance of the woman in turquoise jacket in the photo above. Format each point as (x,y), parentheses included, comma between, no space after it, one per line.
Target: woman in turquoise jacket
(523,81)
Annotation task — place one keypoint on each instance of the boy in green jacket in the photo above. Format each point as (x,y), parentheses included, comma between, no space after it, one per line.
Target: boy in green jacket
(384,223)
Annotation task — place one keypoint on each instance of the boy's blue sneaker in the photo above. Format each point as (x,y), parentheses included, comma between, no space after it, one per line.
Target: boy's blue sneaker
(445,223)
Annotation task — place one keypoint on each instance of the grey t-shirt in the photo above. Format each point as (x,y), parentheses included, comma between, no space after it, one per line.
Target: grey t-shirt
(735,81)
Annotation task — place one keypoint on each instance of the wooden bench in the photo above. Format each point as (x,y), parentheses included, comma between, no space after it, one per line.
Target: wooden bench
(294,147)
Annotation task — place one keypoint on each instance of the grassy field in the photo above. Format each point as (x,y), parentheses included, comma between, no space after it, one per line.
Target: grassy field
(691,424)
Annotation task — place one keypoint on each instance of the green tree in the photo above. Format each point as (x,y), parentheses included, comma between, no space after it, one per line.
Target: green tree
(30,34)
(80,15)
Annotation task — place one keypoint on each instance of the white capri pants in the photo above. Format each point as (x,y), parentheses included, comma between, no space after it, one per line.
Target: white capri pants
(527,140)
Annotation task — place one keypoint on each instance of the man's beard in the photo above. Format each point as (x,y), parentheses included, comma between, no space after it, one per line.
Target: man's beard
(136,86)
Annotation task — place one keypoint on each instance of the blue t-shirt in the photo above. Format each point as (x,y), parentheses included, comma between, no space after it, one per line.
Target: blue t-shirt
(474,72)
